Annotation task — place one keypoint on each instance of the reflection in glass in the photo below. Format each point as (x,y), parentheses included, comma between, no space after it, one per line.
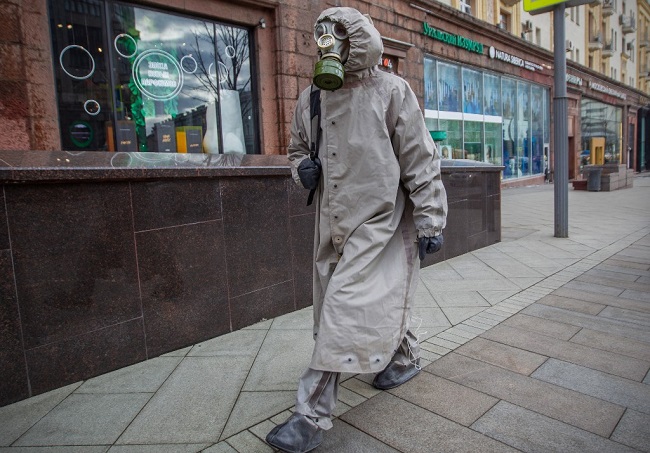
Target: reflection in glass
(472,91)
(523,147)
(509,131)
(600,123)
(452,147)
(537,130)
(492,97)
(449,87)
(430,92)
(473,140)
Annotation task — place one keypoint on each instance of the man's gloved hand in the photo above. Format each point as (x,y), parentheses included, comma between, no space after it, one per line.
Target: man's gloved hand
(429,245)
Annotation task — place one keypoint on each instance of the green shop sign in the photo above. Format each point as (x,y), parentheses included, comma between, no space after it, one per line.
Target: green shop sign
(454,40)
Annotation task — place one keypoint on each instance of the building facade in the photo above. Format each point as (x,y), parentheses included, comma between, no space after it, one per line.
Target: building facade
(223,76)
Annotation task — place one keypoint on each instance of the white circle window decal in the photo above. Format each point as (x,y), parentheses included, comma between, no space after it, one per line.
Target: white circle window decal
(223,72)
(92,107)
(117,49)
(157,75)
(92,61)
(230,52)
(191,59)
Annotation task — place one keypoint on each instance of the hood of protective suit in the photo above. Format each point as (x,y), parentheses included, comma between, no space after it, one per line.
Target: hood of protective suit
(366,47)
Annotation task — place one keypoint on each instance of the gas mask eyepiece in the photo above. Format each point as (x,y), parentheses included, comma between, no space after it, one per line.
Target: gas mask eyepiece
(333,48)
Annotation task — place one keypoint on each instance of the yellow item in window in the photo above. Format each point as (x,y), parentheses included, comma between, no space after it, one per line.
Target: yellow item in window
(189,139)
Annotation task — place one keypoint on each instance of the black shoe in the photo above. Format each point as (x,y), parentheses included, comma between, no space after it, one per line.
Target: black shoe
(395,374)
(296,435)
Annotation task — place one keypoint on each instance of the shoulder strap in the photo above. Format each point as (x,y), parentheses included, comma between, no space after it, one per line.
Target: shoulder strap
(314,110)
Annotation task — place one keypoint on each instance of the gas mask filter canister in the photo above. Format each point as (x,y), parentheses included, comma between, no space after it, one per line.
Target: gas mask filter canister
(333,48)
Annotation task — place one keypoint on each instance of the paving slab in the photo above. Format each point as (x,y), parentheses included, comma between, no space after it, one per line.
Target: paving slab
(241,343)
(456,315)
(617,265)
(66,449)
(633,430)
(588,321)
(362,388)
(193,405)
(282,359)
(19,417)
(502,355)
(612,343)
(143,377)
(221,447)
(598,359)
(594,288)
(176,448)
(300,319)
(613,282)
(496,296)
(404,426)
(85,419)
(262,429)
(602,299)
(253,407)
(247,441)
(617,390)
(460,299)
(577,409)
(631,316)
(344,438)
(642,296)
(543,326)
(611,275)
(446,398)
(529,431)
(581,306)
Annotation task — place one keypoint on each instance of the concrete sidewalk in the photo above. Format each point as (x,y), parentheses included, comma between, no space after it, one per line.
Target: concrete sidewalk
(534,344)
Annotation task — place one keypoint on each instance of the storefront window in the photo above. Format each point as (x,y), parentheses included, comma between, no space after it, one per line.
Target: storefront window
(601,132)
(151,81)
(487,117)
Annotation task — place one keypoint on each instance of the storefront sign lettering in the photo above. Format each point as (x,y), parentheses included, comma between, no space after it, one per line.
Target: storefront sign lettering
(607,90)
(454,40)
(574,80)
(513,60)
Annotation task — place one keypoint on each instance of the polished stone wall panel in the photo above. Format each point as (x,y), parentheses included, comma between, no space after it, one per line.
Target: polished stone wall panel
(184,285)
(256,229)
(160,204)
(74,258)
(111,272)
(13,372)
(262,304)
(4,232)
(84,356)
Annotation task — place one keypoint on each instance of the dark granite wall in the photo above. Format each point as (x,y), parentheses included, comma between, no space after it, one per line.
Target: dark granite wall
(97,275)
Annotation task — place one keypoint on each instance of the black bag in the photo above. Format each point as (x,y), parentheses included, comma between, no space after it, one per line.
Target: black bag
(309,170)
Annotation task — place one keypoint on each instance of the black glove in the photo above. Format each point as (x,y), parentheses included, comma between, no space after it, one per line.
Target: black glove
(429,245)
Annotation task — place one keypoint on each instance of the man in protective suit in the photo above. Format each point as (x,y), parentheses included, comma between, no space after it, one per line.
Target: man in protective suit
(381,206)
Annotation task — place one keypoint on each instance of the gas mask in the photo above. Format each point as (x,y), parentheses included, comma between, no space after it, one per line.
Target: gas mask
(333,48)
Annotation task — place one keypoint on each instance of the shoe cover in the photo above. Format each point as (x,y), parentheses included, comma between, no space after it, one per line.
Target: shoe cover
(297,435)
(395,374)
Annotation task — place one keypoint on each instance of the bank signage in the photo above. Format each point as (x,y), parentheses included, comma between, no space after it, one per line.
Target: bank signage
(513,60)
(454,40)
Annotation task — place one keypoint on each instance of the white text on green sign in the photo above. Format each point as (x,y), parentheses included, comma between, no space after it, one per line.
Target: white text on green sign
(454,40)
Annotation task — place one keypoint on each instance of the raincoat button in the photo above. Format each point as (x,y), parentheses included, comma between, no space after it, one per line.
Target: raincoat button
(333,122)
(349,360)
(338,239)
(335,186)
(333,154)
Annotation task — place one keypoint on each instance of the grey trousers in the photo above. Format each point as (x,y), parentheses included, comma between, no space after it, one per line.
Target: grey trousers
(318,390)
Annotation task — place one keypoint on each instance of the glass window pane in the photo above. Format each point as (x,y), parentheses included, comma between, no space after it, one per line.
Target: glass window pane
(80,67)
(492,95)
(523,147)
(493,132)
(430,92)
(472,91)
(449,87)
(452,148)
(473,145)
(509,96)
(537,128)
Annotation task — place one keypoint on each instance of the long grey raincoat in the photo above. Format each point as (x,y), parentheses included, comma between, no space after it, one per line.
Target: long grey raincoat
(380,190)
